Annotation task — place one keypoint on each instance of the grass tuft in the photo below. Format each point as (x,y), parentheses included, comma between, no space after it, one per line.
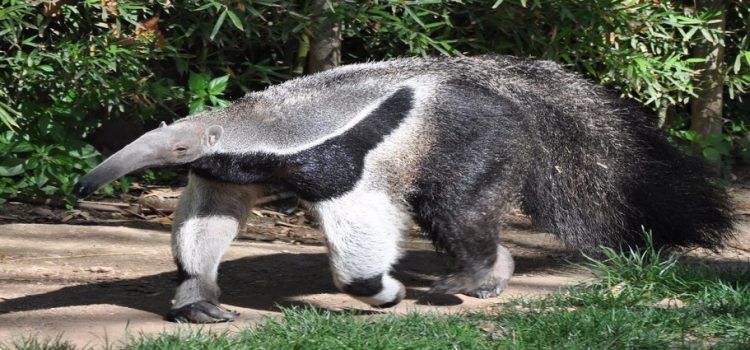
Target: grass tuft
(642,299)
(34,343)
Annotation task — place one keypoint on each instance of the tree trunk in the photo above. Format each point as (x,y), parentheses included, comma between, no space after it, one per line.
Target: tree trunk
(706,108)
(325,40)
(303,50)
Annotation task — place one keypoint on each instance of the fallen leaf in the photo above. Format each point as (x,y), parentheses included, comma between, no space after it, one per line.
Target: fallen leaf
(617,289)
(163,220)
(487,327)
(100,269)
(43,212)
(670,303)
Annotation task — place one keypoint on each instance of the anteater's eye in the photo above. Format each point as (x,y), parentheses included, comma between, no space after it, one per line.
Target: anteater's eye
(180,148)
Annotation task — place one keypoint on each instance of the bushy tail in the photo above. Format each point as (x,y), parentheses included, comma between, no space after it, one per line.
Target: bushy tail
(603,187)
(677,199)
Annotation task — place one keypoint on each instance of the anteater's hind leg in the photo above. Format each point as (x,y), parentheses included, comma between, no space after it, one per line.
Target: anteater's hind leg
(497,280)
(467,227)
(207,219)
(362,232)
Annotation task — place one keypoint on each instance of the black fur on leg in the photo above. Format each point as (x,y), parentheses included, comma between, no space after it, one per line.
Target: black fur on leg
(462,217)
(364,287)
(390,303)
(182,274)
(468,233)
(471,246)
(464,223)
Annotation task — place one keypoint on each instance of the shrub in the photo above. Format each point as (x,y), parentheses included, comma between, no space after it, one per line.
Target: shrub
(67,67)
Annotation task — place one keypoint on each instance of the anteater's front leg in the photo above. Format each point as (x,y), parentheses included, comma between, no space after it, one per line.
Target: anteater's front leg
(208,217)
(362,230)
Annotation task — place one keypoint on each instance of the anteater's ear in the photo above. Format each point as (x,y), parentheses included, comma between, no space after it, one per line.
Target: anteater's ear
(213,134)
(162,124)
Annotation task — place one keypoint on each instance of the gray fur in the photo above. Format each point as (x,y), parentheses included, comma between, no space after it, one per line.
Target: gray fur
(462,139)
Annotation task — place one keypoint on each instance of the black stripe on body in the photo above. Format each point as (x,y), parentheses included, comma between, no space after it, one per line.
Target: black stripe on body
(324,171)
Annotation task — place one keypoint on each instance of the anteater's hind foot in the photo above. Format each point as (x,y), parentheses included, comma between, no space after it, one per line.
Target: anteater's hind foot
(500,277)
(480,283)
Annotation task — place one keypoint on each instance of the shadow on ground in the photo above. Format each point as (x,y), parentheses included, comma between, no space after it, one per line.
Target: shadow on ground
(261,283)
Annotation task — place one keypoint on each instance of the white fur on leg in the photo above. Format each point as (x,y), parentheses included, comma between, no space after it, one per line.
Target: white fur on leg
(504,267)
(207,219)
(393,291)
(200,242)
(362,230)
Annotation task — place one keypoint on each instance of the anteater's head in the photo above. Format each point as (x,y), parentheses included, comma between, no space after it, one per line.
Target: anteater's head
(176,144)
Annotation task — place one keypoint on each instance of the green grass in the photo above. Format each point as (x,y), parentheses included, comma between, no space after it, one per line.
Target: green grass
(617,311)
(38,344)
(306,328)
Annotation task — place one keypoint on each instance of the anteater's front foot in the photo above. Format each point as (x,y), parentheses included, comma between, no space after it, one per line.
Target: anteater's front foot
(201,312)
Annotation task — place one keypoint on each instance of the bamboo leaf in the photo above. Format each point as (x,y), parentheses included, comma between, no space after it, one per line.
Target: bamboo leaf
(707,34)
(737,64)
(218,24)
(7,116)
(235,20)
(690,34)
(414,16)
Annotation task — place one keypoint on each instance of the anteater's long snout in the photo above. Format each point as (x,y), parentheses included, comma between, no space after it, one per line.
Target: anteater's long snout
(137,155)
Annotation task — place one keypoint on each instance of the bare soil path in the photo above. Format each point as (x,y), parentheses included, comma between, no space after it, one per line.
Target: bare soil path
(94,285)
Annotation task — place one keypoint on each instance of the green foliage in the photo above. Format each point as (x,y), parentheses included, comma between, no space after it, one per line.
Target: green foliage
(57,73)
(45,168)
(203,89)
(737,45)
(69,67)
(642,48)
(385,29)
(714,146)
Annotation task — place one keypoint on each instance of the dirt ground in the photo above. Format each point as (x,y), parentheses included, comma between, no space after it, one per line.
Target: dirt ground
(94,285)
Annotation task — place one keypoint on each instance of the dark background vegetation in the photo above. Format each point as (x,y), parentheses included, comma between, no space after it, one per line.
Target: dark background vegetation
(82,78)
